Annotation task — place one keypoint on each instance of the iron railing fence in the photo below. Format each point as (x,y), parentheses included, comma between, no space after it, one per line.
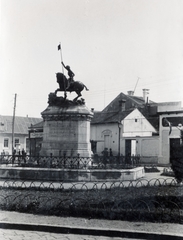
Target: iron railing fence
(98,162)
(94,186)
(154,200)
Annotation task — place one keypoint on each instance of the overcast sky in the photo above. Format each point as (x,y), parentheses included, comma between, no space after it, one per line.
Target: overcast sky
(108,44)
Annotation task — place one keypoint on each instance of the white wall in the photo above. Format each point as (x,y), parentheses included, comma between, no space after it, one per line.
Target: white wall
(146,147)
(135,124)
(130,129)
(169,106)
(22,141)
(99,133)
(164,143)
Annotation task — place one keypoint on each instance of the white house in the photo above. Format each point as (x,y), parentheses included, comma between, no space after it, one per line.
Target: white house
(131,125)
(127,127)
(139,137)
(20,138)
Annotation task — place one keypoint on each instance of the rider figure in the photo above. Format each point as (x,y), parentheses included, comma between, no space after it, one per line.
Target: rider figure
(71,75)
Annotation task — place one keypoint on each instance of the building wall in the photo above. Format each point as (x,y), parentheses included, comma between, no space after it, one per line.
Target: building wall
(135,124)
(165,137)
(146,147)
(169,106)
(21,125)
(106,135)
(138,129)
(20,146)
(134,128)
(149,149)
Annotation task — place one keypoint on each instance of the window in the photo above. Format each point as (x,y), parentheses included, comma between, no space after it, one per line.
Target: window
(16,142)
(6,142)
(173,120)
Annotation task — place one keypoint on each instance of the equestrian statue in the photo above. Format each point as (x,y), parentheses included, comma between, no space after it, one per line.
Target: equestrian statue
(69,85)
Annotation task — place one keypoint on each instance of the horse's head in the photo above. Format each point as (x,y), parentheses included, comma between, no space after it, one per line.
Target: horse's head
(61,80)
(60,77)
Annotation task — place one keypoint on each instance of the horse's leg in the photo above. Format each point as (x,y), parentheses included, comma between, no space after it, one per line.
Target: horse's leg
(78,95)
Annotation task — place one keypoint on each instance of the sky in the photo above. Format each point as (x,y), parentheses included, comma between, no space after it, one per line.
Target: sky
(112,46)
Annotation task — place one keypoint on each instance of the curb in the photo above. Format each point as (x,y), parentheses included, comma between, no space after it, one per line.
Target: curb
(91,231)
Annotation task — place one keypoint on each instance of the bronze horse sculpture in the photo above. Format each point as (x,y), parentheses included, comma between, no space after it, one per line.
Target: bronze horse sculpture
(64,86)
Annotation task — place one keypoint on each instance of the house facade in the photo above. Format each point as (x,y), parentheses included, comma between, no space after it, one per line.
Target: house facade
(132,125)
(140,137)
(128,126)
(35,138)
(134,135)
(170,116)
(20,139)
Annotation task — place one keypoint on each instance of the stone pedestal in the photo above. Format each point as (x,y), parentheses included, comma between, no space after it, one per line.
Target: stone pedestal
(66,131)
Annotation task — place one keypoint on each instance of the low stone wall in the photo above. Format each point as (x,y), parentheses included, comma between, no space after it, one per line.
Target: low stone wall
(148,160)
(67,175)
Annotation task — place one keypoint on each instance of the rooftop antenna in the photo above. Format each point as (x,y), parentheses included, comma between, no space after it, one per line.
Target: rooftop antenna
(136,85)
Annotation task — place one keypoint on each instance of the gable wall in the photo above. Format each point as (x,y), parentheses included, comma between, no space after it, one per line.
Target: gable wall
(135,124)
(139,132)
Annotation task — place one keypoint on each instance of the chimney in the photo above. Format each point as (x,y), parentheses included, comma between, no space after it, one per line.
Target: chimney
(130,93)
(122,104)
(145,93)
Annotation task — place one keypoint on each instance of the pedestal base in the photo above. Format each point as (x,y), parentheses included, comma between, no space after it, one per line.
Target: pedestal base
(66,131)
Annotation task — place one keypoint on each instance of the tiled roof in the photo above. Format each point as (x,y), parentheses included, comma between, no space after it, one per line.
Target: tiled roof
(113,113)
(109,117)
(37,125)
(154,121)
(131,102)
(21,124)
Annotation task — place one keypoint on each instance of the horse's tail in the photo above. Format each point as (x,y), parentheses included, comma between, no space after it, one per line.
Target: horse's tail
(86,88)
(82,85)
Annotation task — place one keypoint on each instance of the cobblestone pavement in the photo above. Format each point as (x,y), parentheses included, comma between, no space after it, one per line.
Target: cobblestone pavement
(31,235)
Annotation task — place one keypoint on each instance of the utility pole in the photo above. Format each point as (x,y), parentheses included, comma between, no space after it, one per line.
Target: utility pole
(13,123)
(119,139)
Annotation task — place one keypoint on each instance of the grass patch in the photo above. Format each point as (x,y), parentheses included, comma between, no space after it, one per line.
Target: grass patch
(150,203)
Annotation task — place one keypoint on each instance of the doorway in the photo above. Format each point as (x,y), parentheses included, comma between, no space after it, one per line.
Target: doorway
(174,148)
(130,149)
(107,142)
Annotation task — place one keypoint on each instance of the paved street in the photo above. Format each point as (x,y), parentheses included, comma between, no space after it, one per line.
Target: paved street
(22,226)
(32,235)
(8,234)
